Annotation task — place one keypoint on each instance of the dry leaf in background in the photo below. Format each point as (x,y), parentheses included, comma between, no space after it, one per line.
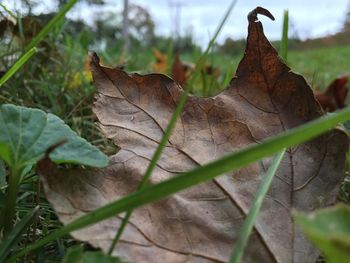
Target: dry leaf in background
(6,26)
(161,63)
(181,71)
(201,224)
(334,96)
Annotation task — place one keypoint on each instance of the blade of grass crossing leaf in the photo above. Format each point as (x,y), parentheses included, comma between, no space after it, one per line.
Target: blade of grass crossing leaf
(198,175)
(19,63)
(284,41)
(8,11)
(53,22)
(13,237)
(254,210)
(170,127)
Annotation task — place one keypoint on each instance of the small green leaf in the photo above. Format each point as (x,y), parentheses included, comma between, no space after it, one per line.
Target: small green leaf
(329,230)
(77,255)
(26,133)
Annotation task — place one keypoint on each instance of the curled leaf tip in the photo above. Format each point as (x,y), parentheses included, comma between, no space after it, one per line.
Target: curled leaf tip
(253,15)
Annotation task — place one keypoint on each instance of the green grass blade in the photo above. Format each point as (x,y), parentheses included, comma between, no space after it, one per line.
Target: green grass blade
(229,75)
(170,127)
(254,210)
(31,48)
(170,52)
(16,234)
(284,41)
(19,63)
(201,62)
(198,175)
(53,22)
(8,11)
(120,231)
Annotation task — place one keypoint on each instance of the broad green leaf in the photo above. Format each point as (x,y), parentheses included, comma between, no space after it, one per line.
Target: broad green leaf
(26,133)
(15,235)
(5,152)
(77,255)
(329,229)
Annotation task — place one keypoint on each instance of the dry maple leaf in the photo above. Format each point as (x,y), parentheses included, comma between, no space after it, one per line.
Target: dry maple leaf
(201,224)
(161,63)
(334,96)
(181,71)
(6,25)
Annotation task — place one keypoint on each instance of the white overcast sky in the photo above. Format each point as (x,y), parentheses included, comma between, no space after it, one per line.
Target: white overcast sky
(310,18)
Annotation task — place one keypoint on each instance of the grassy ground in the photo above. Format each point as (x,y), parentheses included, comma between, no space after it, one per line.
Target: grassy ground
(320,66)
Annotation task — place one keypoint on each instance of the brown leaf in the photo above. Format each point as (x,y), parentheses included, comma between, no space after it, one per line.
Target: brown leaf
(334,96)
(181,71)
(31,27)
(211,70)
(161,63)
(5,25)
(201,224)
